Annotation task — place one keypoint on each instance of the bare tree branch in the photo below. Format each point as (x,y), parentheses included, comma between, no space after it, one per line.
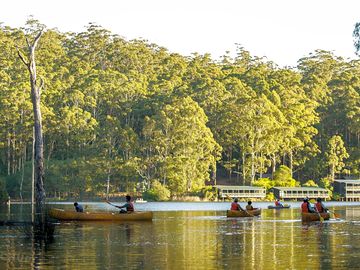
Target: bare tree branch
(28,42)
(37,38)
(22,58)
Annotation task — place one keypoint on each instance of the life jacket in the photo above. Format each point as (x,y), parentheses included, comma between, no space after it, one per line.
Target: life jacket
(304,207)
(319,207)
(234,206)
(277,203)
(130,207)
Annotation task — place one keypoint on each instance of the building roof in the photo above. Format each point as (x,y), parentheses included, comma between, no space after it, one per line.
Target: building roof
(239,187)
(301,188)
(347,181)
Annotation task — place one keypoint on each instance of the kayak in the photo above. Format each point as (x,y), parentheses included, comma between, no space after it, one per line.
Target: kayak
(307,217)
(101,216)
(278,207)
(248,213)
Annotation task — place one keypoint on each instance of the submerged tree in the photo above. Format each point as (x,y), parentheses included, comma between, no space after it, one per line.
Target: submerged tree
(36,87)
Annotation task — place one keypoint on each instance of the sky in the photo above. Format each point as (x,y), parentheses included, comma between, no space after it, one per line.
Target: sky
(281,30)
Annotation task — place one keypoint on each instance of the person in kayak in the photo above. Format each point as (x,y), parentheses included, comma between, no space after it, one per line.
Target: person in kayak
(78,207)
(236,206)
(129,207)
(306,207)
(319,206)
(249,207)
(278,203)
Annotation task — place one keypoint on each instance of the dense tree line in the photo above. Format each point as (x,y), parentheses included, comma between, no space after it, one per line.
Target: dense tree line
(124,115)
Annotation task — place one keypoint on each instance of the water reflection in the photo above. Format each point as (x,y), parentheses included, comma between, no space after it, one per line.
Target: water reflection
(188,240)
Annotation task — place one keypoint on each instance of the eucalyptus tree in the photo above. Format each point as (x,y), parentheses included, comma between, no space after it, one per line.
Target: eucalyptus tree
(335,155)
(300,114)
(182,146)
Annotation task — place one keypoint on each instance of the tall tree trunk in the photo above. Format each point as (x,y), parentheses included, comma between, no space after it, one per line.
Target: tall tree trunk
(243,168)
(291,163)
(273,166)
(39,147)
(8,154)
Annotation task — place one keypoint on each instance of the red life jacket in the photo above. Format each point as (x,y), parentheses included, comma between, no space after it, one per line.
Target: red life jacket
(304,207)
(234,206)
(130,207)
(277,203)
(319,207)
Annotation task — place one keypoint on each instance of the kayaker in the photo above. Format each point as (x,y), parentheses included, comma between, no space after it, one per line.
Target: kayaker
(306,207)
(128,205)
(278,203)
(235,206)
(78,207)
(319,206)
(249,206)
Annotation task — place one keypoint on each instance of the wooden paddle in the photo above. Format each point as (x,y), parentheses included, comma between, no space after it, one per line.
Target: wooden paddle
(336,216)
(111,203)
(246,211)
(321,218)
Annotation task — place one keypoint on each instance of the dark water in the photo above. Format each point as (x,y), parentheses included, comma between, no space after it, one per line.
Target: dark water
(181,238)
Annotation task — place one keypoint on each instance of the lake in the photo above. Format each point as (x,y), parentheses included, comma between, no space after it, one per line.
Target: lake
(187,236)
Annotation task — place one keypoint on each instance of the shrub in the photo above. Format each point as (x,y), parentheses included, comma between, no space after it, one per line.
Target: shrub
(157,192)
(270,196)
(264,182)
(282,178)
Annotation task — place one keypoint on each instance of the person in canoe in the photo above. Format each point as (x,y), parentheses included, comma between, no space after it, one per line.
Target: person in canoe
(306,207)
(320,207)
(129,207)
(236,206)
(78,207)
(249,207)
(278,203)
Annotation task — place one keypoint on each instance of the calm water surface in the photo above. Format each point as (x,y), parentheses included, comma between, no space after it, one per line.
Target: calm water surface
(188,236)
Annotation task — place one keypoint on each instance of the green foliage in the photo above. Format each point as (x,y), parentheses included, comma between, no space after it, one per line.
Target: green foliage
(335,155)
(264,182)
(157,192)
(131,112)
(282,178)
(208,193)
(270,196)
(310,183)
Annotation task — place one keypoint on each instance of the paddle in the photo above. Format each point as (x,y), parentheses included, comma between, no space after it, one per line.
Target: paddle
(246,211)
(321,218)
(111,204)
(336,216)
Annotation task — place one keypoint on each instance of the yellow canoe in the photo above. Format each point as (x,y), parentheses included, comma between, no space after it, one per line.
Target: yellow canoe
(307,217)
(249,213)
(100,216)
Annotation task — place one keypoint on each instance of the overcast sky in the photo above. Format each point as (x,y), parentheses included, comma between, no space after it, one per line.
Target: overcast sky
(282,30)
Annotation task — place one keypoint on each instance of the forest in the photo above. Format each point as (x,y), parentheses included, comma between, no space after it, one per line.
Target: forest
(130,116)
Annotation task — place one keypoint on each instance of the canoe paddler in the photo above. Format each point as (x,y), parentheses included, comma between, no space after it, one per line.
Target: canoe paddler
(129,207)
(249,206)
(235,206)
(78,207)
(306,207)
(319,206)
